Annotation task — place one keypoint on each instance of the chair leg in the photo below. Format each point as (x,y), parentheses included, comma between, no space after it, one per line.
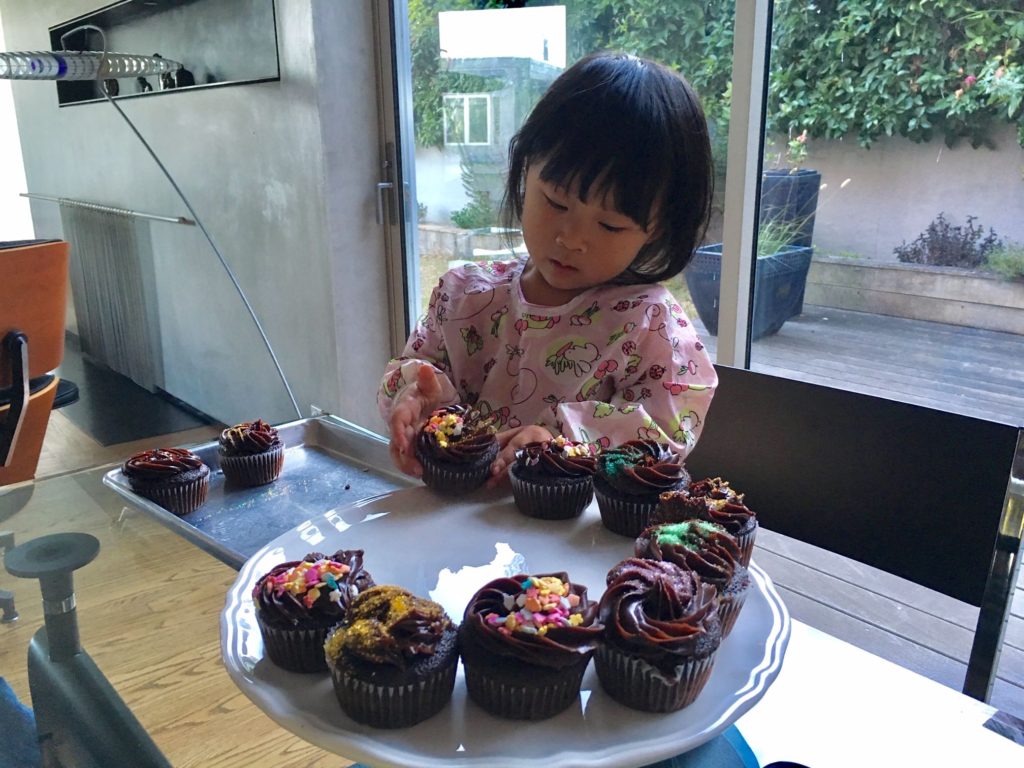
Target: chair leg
(16,345)
(1002,577)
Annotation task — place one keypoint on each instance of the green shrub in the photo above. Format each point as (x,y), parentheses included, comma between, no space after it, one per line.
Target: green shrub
(944,244)
(479,212)
(1008,260)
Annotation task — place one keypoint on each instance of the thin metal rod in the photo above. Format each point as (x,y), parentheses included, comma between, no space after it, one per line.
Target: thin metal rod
(209,239)
(110,209)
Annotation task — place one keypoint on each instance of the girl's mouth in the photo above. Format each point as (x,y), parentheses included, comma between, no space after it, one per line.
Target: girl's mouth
(562,267)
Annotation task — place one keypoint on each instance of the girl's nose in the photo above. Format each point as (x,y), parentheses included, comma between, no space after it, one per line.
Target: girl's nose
(571,237)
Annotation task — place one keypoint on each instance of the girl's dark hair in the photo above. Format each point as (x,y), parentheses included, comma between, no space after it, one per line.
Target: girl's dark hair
(638,130)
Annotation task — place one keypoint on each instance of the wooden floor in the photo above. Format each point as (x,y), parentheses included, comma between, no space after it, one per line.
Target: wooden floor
(974,372)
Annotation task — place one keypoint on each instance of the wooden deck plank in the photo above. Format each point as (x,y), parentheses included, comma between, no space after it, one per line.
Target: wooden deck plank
(953,368)
(910,625)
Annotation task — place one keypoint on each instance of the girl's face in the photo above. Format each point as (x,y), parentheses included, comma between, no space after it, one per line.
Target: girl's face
(573,245)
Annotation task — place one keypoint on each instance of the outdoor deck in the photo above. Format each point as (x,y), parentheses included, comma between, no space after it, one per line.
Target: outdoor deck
(965,370)
(974,372)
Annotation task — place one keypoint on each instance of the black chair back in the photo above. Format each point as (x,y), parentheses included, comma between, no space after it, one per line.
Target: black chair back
(920,493)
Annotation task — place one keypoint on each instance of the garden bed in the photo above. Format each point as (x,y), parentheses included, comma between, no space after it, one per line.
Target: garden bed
(939,294)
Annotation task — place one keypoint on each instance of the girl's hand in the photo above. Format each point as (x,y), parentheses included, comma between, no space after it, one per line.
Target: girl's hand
(409,414)
(509,442)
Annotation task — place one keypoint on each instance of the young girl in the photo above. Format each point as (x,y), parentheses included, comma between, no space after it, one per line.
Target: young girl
(611,180)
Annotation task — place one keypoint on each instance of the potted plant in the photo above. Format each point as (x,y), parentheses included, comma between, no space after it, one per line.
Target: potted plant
(789,195)
(779,279)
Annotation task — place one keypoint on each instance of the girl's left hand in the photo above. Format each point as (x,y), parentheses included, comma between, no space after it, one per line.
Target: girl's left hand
(509,441)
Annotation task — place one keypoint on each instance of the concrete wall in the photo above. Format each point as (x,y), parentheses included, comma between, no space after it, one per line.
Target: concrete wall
(285,196)
(15,217)
(897,188)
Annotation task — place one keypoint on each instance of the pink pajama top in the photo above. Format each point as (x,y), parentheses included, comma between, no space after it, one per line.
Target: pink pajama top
(616,363)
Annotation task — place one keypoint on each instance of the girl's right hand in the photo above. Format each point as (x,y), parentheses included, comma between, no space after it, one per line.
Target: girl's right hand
(409,414)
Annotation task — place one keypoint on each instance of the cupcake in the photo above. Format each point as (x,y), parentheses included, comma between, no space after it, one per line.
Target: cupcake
(526,642)
(661,634)
(707,549)
(629,480)
(175,478)
(712,499)
(553,479)
(299,601)
(456,448)
(251,453)
(393,658)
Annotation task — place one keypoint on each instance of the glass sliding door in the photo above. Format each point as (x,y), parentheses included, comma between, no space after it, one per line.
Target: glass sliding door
(474,76)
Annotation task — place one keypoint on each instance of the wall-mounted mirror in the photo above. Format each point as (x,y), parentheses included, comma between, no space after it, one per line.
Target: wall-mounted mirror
(218,42)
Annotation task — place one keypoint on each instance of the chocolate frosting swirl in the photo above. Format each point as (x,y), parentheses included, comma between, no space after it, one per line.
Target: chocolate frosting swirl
(712,499)
(248,438)
(456,434)
(560,647)
(389,625)
(642,467)
(660,612)
(555,458)
(280,607)
(698,545)
(161,464)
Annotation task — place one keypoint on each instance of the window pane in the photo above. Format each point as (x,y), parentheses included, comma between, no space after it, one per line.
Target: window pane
(881,224)
(454,120)
(478,120)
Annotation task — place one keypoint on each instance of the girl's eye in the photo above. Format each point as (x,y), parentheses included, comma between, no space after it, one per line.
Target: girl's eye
(610,228)
(556,206)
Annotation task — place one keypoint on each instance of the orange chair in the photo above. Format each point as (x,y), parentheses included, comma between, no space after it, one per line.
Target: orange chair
(33,295)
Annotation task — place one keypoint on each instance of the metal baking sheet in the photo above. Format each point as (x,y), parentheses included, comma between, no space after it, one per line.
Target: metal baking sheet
(328,463)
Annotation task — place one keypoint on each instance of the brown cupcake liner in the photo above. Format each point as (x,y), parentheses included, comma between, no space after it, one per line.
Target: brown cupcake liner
(640,685)
(746,543)
(395,706)
(729,606)
(254,469)
(294,649)
(183,498)
(523,701)
(559,501)
(454,481)
(624,517)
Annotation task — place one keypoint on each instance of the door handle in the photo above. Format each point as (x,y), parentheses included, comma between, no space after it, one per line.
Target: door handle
(382,188)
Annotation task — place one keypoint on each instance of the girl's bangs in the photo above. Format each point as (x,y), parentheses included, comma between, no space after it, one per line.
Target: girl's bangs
(624,177)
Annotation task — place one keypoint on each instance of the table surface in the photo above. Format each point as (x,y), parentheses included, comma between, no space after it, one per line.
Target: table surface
(154,634)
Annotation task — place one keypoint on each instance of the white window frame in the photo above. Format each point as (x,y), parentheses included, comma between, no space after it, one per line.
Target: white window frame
(465,97)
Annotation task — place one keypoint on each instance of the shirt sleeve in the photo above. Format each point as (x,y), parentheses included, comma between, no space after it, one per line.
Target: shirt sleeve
(663,381)
(426,345)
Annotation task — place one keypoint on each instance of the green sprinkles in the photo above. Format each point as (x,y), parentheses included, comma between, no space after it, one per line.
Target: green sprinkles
(689,534)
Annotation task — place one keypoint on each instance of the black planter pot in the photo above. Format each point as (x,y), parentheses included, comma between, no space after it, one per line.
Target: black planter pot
(791,198)
(779,283)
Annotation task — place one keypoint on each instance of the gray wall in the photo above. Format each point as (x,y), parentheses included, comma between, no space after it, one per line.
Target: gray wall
(287,198)
(897,188)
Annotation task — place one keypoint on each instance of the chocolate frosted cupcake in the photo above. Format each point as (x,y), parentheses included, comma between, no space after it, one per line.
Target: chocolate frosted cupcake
(393,658)
(456,448)
(662,633)
(630,479)
(712,499)
(707,549)
(175,478)
(299,601)
(553,479)
(526,641)
(251,453)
